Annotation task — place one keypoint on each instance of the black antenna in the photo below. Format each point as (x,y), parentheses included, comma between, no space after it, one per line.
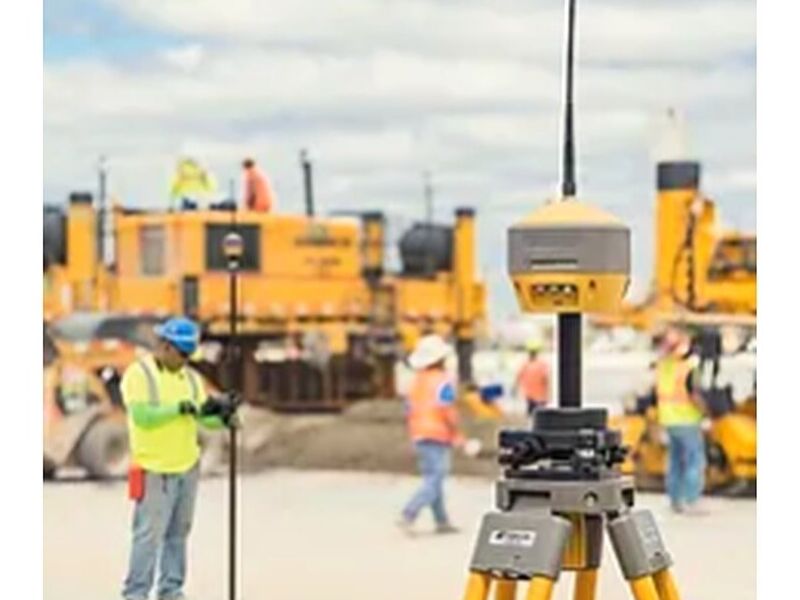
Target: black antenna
(102,216)
(308,182)
(428,188)
(568,185)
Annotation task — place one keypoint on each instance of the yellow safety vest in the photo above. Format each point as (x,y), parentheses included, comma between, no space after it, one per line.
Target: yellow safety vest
(675,406)
(173,446)
(192,181)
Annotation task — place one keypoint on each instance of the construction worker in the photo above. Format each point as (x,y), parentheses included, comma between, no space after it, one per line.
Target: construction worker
(433,427)
(165,400)
(258,194)
(680,412)
(192,184)
(533,379)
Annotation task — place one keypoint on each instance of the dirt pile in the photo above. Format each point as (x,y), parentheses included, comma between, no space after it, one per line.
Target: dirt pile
(369,436)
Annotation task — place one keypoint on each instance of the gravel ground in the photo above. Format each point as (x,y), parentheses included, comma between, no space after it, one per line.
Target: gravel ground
(311,534)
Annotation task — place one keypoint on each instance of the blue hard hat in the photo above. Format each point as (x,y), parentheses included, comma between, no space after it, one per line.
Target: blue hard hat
(181,332)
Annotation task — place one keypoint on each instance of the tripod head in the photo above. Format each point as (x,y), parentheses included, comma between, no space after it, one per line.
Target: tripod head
(563,444)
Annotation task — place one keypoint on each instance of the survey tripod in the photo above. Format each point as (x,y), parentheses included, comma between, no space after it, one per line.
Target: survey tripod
(561,489)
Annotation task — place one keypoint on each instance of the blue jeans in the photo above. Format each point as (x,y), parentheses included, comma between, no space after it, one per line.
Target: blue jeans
(687,462)
(433,459)
(161,523)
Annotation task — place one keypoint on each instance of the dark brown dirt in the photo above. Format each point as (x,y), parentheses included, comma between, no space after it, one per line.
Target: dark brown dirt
(369,436)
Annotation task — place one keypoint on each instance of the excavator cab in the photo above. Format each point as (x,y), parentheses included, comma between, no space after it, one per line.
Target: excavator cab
(734,256)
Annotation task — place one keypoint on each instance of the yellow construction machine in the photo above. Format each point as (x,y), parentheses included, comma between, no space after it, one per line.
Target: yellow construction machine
(83,427)
(323,321)
(702,274)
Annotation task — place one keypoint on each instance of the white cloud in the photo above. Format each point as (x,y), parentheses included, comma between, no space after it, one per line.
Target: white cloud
(658,30)
(187,58)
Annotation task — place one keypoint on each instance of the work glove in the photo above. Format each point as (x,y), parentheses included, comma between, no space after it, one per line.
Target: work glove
(223,406)
(212,407)
(186,407)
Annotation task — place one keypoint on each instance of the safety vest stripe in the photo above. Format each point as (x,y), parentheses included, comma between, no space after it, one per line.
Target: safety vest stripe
(193,384)
(152,386)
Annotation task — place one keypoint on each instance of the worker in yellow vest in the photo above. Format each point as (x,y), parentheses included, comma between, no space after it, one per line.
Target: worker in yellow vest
(680,412)
(166,401)
(432,421)
(192,185)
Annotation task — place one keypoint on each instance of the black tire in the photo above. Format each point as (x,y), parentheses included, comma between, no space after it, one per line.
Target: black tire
(103,450)
(49,470)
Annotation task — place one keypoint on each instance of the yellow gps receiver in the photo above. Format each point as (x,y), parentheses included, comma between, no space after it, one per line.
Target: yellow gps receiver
(569,257)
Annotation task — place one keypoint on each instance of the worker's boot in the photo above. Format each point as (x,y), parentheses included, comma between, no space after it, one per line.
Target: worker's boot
(695,509)
(445,528)
(405,525)
(677,507)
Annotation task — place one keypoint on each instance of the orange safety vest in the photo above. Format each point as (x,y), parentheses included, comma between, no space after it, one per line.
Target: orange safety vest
(534,380)
(428,418)
(675,406)
(258,192)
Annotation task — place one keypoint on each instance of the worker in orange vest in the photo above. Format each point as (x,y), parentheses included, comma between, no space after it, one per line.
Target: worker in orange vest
(258,194)
(533,379)
(680,412)
(433,427)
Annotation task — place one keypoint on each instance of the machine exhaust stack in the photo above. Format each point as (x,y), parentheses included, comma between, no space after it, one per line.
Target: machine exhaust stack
(308,182)
(464,271)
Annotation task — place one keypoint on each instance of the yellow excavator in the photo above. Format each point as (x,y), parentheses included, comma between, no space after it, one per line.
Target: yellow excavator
(703,275)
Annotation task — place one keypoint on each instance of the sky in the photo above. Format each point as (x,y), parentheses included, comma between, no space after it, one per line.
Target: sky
(380,91)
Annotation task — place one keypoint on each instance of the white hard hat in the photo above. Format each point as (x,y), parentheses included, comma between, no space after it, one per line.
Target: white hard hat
(430,350)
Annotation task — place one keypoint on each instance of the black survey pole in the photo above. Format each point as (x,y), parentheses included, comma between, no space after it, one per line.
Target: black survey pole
(233,247)
(569,324)
(308,182)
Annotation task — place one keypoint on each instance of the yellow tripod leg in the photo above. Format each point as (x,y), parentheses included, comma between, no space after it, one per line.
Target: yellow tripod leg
(585,584)
(540,588)
(477,586)
(666,585)
(644,588)
(505,589)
